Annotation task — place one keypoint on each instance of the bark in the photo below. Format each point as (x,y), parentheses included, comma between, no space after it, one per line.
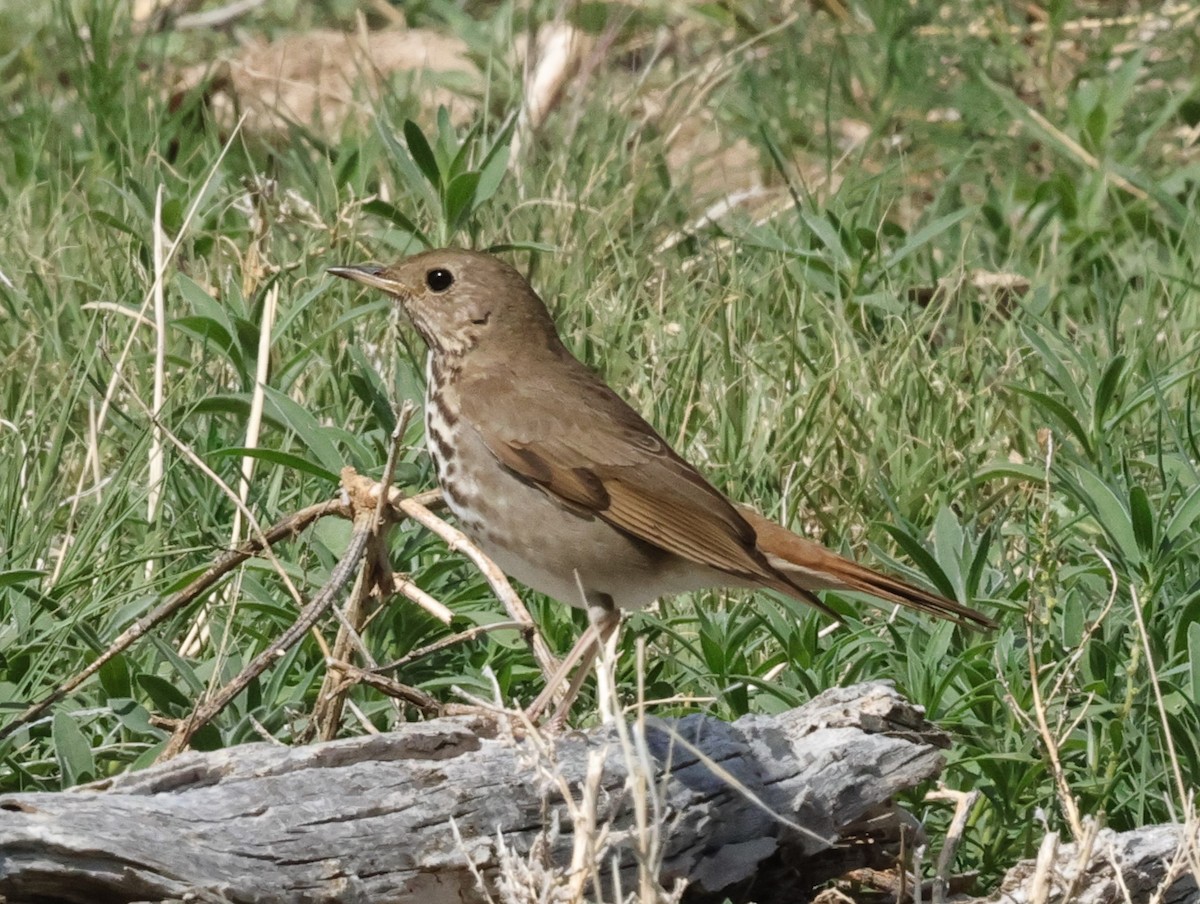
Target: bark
(764,809)
(1117,867)
(415,814)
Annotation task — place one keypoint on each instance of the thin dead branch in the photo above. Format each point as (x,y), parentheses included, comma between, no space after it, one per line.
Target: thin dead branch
(964,802)
(376,575)
(352,674)
(283,530)
(446,642)
(364,523)
(413,508)
(371,513)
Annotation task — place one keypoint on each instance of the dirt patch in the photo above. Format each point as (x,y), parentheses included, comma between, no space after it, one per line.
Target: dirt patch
(324,77)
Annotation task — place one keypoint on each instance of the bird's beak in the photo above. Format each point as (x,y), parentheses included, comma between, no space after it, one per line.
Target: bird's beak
(374,276)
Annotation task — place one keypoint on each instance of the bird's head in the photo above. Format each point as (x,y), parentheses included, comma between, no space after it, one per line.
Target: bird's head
(459,300)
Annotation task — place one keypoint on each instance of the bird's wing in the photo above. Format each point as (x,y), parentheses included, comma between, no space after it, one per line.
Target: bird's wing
(580,443)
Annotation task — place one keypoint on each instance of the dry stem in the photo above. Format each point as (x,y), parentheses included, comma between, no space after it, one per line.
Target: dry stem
(288,527)
(376,573)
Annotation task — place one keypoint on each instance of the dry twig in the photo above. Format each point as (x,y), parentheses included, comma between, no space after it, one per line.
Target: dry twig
(370,510)
(352,674)
(459,542)
(364,520)
(375,575)
(964,802)
(288,527)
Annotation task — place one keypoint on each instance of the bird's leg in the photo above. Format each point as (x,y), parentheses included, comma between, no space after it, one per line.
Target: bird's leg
(585,645)
(604,617)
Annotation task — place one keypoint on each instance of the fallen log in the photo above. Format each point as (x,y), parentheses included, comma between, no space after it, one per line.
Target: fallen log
(427,812)
(1160,863)
(765,809)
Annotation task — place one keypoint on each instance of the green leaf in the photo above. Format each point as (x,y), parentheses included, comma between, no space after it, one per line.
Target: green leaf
(828,236)
(410,175)
(204,305)
(1072,626)
(927,233)
(15,576)
(538,247)
(460,197)
(72,750)
(978,563)
(919,554)
(283,692)
(368,386)
(307,429)
(299,306)
(1142,517)
(1106,507)
(303,357)
(1194,660)
(1007,470)
(1096,129)
(183,668)
(392,214)
(1184,517)
(458,165)
(448,147)
(103,216)
(491,173)
(1106,389)
(114,678)
(167,698)
(947,547)
(276,457)
(237,406)
(1057,370)
(422,154)
(1154,390)
(883,302)
(211,333)
(133,716)
(347,168)
(867,239)
(208,737)
(1059,412)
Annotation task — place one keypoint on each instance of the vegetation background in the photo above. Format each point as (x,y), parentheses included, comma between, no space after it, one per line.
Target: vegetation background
(918,279)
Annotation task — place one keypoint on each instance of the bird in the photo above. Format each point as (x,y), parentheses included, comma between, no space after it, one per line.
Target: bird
(564,485)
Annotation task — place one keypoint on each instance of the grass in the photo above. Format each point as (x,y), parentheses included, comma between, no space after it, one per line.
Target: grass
(830,356)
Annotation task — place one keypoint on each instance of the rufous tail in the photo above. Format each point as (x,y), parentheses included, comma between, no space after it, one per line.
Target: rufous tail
(808,566)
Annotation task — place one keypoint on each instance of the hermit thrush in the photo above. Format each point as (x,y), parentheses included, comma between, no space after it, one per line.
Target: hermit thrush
(563,484)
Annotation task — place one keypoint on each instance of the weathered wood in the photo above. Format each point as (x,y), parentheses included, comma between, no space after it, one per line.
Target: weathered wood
(1120,867)
(370,819)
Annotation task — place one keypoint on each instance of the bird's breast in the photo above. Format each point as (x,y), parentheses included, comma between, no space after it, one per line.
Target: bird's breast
(444,439)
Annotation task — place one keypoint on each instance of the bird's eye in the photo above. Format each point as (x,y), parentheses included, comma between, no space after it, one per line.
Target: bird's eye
(439,279)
